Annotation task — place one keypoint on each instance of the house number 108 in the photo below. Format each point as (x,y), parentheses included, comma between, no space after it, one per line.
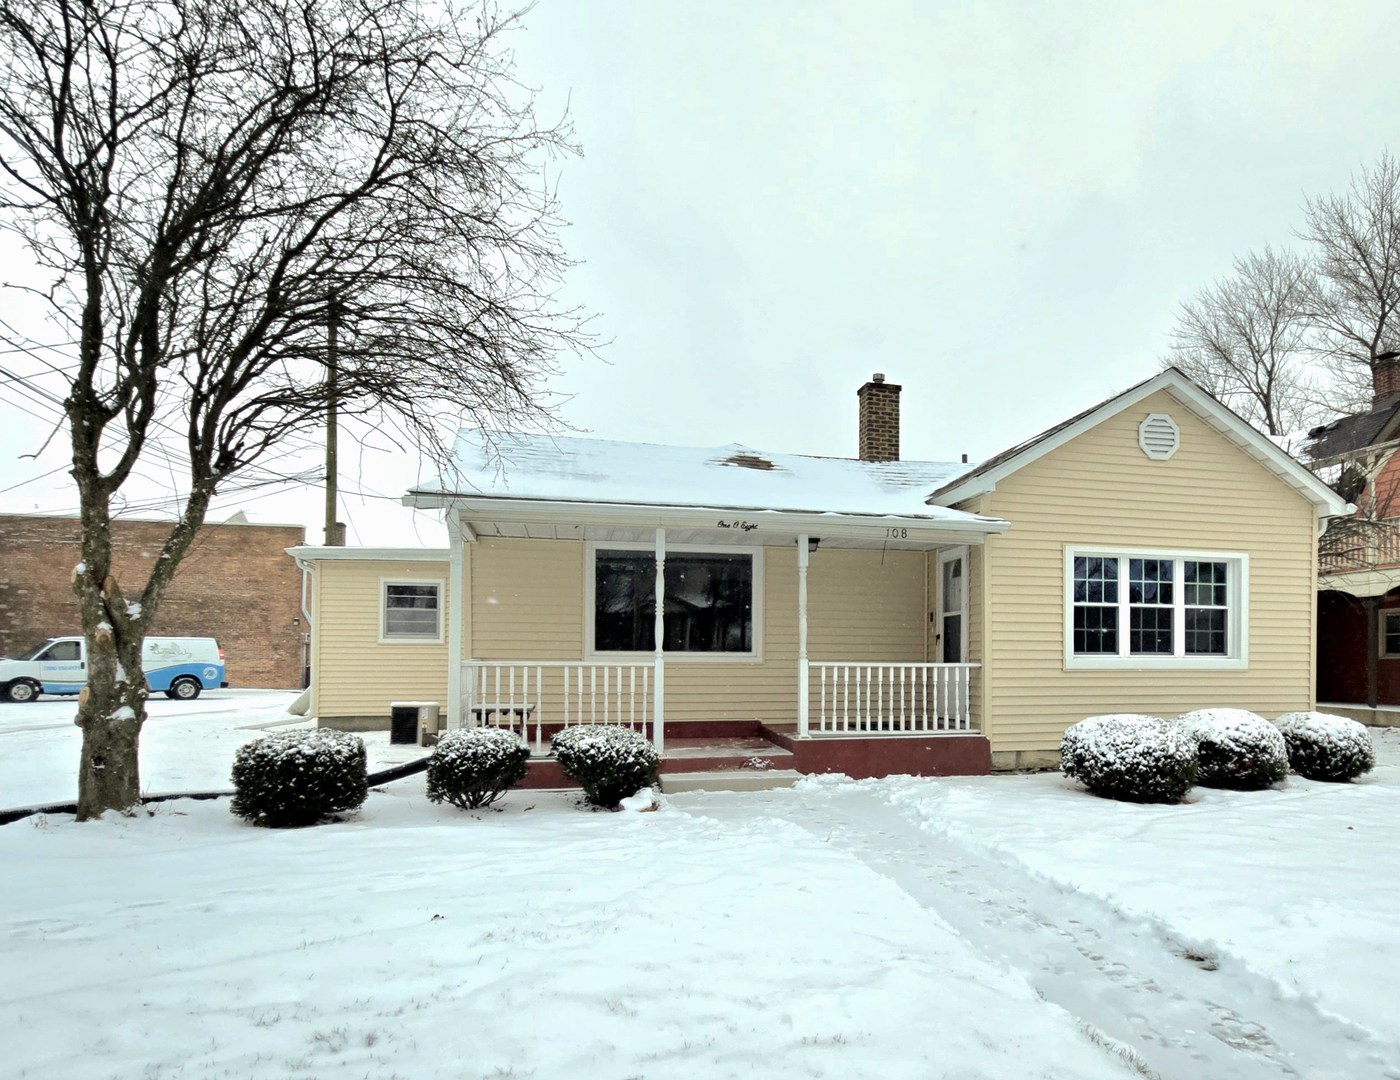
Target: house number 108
(896,534)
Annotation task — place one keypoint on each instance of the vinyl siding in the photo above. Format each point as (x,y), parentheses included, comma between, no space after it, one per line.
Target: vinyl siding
(1100,489)
(528,603)
(354,673)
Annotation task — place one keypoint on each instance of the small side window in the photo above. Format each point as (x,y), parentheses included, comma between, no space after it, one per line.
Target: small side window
(411,611)
(1390,634)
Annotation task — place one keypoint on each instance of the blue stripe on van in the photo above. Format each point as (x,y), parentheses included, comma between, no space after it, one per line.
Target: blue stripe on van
(210,676)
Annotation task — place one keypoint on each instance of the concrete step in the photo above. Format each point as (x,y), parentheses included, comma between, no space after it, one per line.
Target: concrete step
(729,780)
(688,755)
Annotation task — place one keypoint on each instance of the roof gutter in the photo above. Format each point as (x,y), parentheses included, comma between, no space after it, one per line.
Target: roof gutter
(819,523)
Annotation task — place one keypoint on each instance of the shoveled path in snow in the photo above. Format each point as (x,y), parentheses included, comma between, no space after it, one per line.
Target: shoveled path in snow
(1173,1012)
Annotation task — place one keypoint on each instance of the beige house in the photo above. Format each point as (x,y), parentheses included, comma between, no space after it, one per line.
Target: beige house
(1153,554)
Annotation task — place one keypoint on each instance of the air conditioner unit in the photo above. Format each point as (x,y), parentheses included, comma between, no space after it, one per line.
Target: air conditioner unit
(414,721)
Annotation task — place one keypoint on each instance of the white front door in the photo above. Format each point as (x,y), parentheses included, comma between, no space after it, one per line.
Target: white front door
(952,606)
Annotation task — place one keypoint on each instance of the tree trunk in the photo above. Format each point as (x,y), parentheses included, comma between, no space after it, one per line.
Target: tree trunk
(112,707)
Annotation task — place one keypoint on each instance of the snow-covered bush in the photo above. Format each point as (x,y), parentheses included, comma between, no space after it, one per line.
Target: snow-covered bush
(609,763)
(1326,747)
(296,778)
(1131,757)
(1236,749)
(475,767)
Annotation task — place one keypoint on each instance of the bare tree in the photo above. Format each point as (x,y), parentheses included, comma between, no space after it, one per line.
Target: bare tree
(1245,339)
(207,185)
(1355,238)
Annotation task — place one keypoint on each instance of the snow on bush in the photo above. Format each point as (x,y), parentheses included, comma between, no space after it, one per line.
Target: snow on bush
(1131,757)
(475,767)
(1326,747)
(609,763)
(296,778)
(1236,749)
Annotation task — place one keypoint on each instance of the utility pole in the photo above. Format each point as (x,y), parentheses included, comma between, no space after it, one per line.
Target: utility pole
(333,534)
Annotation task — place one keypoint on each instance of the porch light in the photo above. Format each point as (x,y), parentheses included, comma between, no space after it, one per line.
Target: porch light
(812,542)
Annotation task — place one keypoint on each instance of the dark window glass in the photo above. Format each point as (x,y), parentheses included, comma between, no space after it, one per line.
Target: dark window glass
(1095,580)
(411,611)
(1150,630)
(1150,581)
(1205,584)
(709,602)
(624,602)
(1095,630)
(952,639)
(1392,635)
(1205,631)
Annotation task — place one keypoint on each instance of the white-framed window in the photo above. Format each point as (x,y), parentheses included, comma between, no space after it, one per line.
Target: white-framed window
(1390,634)
(410,610)
(713,606)
(1138,608)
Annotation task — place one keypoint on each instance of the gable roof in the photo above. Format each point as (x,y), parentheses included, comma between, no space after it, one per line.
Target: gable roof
(984,478)
(734,477)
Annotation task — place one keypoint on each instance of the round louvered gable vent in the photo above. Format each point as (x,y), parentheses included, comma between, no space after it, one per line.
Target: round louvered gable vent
(1159,436)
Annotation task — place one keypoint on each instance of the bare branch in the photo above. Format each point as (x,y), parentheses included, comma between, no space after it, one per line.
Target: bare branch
(200,179)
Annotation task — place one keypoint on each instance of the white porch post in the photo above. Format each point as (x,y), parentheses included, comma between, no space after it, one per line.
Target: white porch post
(803,699)
(658,690)
(456,618)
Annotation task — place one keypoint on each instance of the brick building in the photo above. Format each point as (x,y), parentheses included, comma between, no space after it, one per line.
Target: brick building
(237,584)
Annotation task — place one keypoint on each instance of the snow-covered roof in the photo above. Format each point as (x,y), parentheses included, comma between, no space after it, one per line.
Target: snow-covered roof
(572,469)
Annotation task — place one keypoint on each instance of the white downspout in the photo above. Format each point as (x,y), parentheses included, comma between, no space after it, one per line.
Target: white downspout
(456,620)
(658,696)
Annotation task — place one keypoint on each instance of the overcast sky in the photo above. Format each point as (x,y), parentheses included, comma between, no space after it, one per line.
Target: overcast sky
(997,205)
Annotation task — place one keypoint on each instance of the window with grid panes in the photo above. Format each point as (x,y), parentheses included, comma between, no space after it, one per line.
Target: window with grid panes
(1153,607)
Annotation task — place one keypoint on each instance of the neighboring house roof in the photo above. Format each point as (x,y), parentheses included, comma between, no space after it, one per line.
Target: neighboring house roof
(984,477)
(733,477)
(1352,433)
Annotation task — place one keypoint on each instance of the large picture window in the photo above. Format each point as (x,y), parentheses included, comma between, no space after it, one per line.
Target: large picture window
(1155,609)
(709,605)
(411,611)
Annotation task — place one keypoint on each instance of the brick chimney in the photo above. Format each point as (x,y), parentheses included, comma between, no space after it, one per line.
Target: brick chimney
(1385,379)
(879,419)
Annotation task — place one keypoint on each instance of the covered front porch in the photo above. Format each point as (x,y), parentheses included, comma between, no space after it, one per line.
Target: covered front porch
(819,634)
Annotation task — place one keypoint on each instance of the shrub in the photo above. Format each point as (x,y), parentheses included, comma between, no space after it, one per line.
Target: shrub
(1130,757)
(297,778)
(1326,747)
(474,767)
(610,763)
(1236,749)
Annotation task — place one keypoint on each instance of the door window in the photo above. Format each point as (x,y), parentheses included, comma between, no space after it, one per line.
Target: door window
(61,652)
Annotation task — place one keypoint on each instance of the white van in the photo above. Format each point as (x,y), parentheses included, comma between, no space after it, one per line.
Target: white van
(179,666)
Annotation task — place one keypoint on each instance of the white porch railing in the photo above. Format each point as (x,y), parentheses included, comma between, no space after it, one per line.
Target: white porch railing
(532,696)
(890,699)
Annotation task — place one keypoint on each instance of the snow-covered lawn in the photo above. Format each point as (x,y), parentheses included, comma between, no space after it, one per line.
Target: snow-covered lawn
(543,941)
(185,745)
(1298,882)
(999,927)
